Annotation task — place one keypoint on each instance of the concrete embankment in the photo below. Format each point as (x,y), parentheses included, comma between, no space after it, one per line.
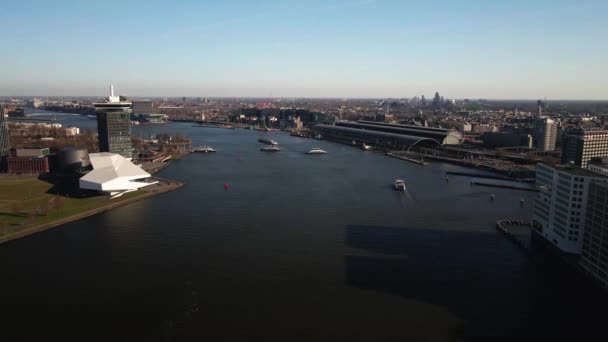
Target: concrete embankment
(411,160)
(163,186)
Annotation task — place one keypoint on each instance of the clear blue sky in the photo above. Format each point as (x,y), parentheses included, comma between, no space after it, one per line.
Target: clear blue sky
(331,48)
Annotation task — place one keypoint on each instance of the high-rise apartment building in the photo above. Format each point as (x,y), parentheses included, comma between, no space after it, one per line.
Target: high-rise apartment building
(560,208)
(114,125)
(579,145)
(544,134)
(594,256)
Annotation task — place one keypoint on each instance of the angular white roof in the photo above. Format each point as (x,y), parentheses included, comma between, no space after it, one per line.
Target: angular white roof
(113,173)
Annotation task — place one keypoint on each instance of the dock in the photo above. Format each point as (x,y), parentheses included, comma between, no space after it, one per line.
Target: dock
(411,160)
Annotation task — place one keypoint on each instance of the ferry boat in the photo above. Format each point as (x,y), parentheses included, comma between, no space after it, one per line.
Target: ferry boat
(399,185)
(316,150)
(268,141)
(270,149)
(366,147)
(204,149)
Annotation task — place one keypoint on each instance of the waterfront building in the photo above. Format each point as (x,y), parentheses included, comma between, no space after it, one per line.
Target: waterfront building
(151,118)
(114,175)
(387,140)
(28,165)
(440,135)
(560,208)
(544,134)
(580,145)
(114,125)
(594,257)
(143,107)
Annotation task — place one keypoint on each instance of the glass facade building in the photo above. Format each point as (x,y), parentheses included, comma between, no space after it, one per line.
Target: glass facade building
(114,128)
(580,145)
(594,258)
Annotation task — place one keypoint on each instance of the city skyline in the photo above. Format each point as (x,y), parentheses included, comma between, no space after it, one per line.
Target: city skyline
(336,49)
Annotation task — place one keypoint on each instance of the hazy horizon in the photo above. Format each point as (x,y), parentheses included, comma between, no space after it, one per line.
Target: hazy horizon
(314,49)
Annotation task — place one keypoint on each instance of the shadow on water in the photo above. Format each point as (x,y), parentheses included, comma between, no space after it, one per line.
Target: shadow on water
(499,296)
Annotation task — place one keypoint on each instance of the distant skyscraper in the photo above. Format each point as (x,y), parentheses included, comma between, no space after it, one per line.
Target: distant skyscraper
(560,208)
(545,134)
(579,145)
(539,108)
(4,147)
(114,125)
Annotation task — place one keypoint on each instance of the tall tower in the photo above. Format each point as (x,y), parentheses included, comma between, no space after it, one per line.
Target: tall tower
(114,125)
(539,105)
(4,147)
(545,134)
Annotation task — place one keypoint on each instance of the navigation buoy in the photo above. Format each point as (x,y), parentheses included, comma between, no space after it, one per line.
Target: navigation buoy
(491,197)
(226,186)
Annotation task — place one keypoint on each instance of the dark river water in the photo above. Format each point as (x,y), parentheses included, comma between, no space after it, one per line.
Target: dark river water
(301,247)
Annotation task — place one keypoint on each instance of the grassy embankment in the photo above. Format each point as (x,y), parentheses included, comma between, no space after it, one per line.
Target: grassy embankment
(25,202)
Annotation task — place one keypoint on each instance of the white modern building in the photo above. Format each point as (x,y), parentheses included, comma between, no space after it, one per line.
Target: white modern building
(114,175)
(545,134)
(560,208)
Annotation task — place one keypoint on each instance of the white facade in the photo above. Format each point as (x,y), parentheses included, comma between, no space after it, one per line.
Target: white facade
(113,174)
(598,168)
(545,134)
(560,209)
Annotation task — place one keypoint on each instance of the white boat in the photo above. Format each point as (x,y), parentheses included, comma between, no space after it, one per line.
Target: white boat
(366,147)
(316,150)
(204,149)
(399,185)
(270,149)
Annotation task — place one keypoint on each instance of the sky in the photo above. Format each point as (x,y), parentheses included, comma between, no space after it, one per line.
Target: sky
(297,48)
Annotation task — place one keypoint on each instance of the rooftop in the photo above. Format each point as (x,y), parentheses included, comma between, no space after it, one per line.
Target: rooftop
(576,171)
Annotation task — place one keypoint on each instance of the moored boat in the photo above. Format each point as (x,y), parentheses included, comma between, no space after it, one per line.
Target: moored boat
(270,149)
(316,150)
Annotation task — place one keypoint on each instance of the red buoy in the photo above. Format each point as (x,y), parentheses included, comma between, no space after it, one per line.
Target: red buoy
(226,186)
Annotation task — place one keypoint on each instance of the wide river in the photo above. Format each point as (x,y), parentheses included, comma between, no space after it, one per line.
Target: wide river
(301,247)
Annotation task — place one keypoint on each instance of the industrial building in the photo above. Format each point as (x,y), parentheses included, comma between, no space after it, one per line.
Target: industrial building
(580,145)
(440,135)
(560,208)
(151,118)
(114,125)
(143,107)
(114,175)
(29,161)
(499,139)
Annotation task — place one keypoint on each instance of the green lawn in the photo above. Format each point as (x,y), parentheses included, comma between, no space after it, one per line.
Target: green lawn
(24,202)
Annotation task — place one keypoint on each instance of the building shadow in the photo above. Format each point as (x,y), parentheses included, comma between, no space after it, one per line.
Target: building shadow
(66,184)
(479,277)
